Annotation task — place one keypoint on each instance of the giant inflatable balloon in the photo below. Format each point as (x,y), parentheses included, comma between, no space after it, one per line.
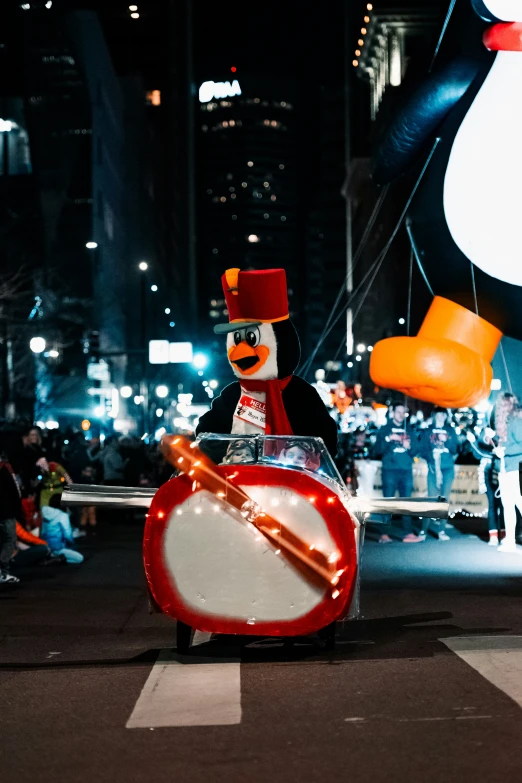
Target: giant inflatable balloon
(465,221)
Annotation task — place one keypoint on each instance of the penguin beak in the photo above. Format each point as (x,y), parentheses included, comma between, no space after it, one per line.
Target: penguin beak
(248,360)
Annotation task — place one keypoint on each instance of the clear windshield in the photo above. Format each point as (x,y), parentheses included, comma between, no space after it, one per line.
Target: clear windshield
(294,452)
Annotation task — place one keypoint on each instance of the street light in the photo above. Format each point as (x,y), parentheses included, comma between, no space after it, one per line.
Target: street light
(154,288)
(402,321)
(54,354)
(126,392)
(143,266)
(200,361)
(167,311)
(162,391)
(91,245)
(37,344)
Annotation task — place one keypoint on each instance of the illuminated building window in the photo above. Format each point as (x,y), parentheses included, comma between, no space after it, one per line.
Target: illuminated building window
(153,97)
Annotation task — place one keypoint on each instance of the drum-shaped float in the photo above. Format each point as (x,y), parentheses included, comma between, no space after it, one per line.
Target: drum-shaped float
(210,568)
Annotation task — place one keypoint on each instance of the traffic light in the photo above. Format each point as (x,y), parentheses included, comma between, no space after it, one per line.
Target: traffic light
(92,344)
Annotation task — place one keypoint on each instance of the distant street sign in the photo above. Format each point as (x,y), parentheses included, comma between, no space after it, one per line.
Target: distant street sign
(163,352)
(158,351)
(98,371)
(180,353)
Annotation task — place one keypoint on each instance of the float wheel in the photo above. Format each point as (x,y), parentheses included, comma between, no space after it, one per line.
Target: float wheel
(183,638)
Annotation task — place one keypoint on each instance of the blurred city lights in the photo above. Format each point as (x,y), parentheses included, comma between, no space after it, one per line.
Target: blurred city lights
(402,321)
(99,410)
(133,8)
(496,384)
(200,361)
(154,288)
(138,399)
(361,348)
(253,238)
(126,392)
(135,16)
(159,412)
(358,358)
(213,384)
(167,311)
(91,245)
(350,364)
(143,266)
(52,425)
(162,391)
(54,354)
(370,348)
(37,344)
(86,425)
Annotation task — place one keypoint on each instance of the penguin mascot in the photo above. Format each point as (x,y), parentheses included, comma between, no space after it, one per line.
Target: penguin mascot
(263,350)
(465,220)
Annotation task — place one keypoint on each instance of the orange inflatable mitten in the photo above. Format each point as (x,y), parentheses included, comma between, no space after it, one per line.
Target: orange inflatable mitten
(447,364)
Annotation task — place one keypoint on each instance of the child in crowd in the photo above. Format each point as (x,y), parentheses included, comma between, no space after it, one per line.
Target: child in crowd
(57,531)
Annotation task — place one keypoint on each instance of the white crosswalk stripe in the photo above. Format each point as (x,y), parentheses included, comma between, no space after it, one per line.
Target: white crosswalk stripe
(497,658)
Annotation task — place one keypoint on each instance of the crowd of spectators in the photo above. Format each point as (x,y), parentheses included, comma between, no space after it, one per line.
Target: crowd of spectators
(35,466)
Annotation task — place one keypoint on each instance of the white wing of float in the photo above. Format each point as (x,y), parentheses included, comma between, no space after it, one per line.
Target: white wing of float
(75,495)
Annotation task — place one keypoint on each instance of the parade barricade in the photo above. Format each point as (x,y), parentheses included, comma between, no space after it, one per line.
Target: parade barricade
(465,497)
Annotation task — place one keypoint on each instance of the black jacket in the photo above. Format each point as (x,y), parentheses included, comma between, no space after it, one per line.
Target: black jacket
(306,412)
(10,503)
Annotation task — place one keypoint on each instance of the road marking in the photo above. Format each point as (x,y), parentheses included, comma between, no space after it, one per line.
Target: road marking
(188,694)
(497,658)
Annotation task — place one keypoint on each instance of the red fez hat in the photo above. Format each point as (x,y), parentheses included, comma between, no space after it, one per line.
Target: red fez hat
(254,298)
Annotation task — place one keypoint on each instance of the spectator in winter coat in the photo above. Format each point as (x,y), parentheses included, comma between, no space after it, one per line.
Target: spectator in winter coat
(10,512)
(394,443)
(112,463)
(438,446)
(57,531)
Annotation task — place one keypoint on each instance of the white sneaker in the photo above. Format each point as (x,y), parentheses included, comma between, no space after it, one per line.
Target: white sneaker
(8,579)
(509,548)
(493,541)
(77,533)
(444,536)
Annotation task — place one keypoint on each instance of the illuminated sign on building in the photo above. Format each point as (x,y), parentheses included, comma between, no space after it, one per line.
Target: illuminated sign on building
(214,90)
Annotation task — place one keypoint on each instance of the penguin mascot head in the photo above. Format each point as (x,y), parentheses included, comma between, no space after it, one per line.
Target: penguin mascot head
(262,343)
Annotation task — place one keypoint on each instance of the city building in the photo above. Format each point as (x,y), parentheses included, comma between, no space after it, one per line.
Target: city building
(249,207)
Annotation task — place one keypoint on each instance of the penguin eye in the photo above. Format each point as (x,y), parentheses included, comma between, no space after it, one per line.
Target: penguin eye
(253,336)
(237,337)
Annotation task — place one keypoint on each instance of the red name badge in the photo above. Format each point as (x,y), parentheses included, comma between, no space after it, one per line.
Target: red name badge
(251,410)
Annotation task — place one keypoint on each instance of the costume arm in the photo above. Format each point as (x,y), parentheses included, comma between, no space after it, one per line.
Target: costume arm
(319,423)
(219,418)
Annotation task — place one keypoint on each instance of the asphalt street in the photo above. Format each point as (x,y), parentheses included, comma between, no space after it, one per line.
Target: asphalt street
(426,686)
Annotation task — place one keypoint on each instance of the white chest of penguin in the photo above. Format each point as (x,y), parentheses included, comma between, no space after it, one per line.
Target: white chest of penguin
(250,413)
